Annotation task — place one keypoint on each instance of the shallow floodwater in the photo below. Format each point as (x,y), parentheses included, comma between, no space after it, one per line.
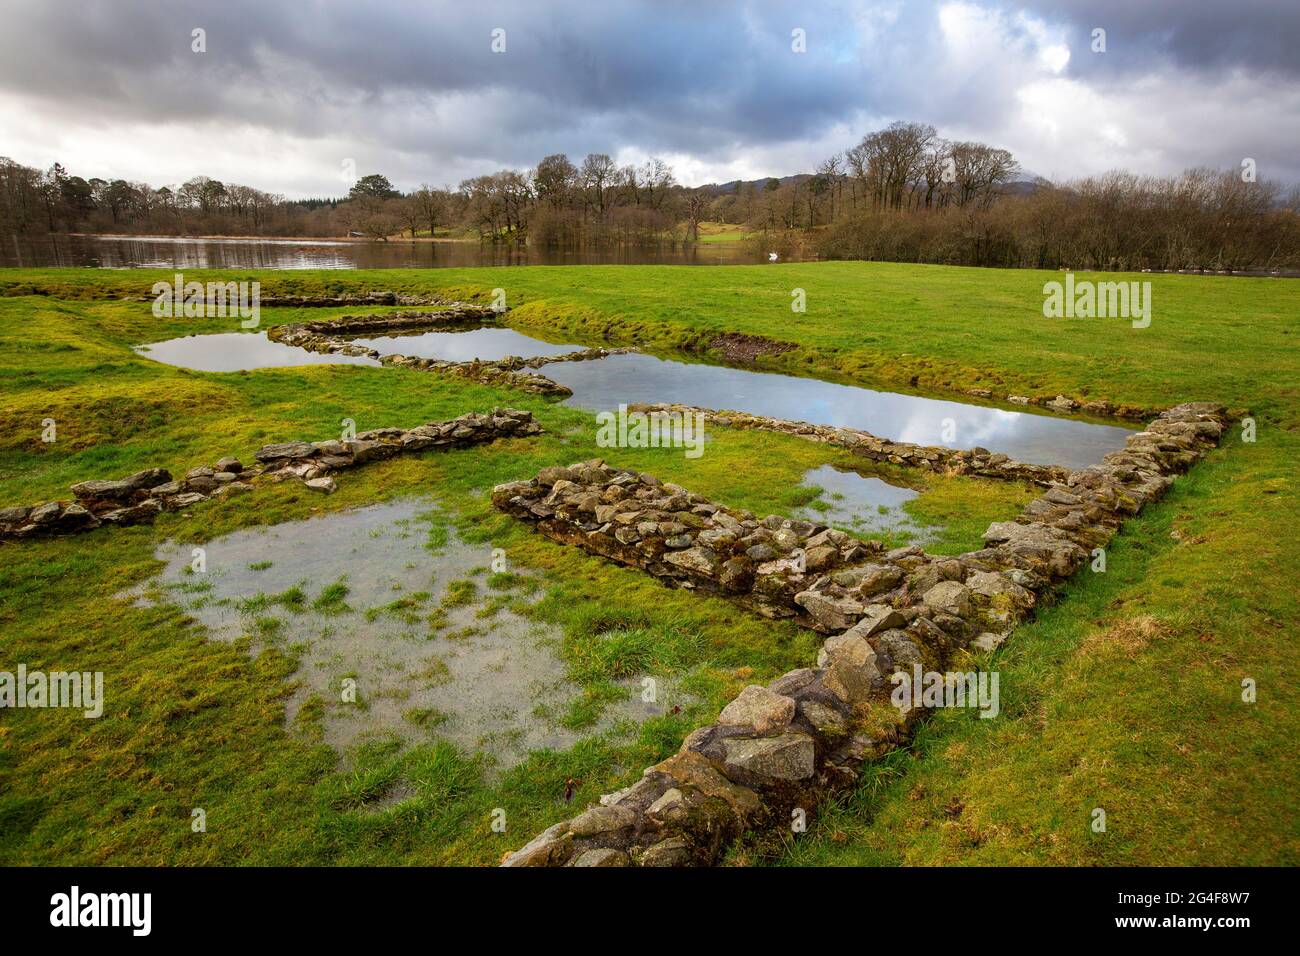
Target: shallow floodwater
(362,596)
(862,505)
(1040,439)
(486,344)
(238,351)
(167,252)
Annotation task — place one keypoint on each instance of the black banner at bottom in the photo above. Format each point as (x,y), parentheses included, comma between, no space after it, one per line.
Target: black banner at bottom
(335,905)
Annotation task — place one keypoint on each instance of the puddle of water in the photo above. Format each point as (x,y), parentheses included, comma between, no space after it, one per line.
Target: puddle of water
(862,505)
(238,351)
(354,596)
(1039,439)
(486,344)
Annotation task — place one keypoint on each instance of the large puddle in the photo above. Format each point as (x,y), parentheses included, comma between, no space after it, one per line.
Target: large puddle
(863,505)
(387,598)
(1040,439)
(485,344)
(631,378)
(238,351)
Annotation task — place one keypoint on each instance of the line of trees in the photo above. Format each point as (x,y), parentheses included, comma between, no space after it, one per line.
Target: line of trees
(905,194)
(35,201)
(555,202)
(1203,219)
(901,193)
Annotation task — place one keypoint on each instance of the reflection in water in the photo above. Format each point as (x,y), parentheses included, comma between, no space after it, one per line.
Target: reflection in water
(237,351)
(374,606)
(859,504)
(487,344)
(1039,439)
(162,252)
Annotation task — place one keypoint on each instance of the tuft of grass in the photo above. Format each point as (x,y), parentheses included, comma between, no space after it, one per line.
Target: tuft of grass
(459,593)
(331,599)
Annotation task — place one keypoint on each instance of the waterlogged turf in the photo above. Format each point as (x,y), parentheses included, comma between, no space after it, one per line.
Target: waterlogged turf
(1125,694)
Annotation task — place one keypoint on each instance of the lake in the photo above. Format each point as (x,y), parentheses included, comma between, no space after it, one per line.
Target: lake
(161,252)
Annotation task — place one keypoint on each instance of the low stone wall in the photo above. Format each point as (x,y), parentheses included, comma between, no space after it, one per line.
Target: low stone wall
(333,337)
(1061,403)
(973,461)
(378,297)
(140,497)
(784,746)
(307,334)
(581,355)
(680,537)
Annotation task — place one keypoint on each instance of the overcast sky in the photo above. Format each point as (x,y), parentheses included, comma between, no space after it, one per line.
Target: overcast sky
(287,92)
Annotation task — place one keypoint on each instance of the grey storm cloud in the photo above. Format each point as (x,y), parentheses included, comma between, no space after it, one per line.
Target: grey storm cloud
(1205,35)
(415,88)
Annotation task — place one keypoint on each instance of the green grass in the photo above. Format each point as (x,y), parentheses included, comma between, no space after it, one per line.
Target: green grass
(711,233)
(1125,694)
(331,599)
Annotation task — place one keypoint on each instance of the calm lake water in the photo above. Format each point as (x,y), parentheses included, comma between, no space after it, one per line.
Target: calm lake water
(156,252)
(1040,439)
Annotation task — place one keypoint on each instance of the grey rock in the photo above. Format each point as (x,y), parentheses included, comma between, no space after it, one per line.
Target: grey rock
(122,488)
(949,596)
(602,819)
(759,708)
(674,851)
(826,720)
(45,514)
(548,848)
(286,451)
(600,857)
(790,756)
(829,613)
(695,560)
(991,584)
(878,617)
(14,516)
(851,670)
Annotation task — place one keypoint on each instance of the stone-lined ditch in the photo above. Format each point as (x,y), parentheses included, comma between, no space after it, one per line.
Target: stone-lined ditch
(641,379)
(625,376)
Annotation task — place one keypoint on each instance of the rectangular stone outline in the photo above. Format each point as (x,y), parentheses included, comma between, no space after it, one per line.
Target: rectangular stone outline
(778,749)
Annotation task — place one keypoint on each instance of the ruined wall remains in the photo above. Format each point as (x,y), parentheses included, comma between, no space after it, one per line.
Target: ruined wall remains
(334,337)
(784,746)
(146,494)
(339,300)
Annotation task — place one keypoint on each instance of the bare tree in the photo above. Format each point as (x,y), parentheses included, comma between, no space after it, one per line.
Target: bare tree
(598,176)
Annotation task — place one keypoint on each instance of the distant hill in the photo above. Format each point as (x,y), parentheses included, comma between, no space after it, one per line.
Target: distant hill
(735,184)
